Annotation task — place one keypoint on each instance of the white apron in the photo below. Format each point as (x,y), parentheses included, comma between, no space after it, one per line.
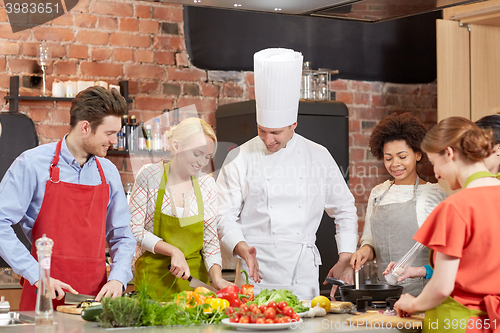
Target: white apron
(287,254)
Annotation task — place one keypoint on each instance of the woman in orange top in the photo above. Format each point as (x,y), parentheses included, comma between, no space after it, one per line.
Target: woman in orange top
(463,293)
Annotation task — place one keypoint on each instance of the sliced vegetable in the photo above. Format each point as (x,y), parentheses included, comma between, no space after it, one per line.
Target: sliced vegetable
(247,288)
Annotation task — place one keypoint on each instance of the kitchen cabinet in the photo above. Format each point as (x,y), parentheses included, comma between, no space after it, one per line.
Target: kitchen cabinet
(468,61)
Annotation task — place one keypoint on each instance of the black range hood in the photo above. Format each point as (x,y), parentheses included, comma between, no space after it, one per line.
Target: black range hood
(357,10)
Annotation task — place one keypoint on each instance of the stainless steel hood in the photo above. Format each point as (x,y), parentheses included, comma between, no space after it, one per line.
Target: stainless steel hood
(358,10)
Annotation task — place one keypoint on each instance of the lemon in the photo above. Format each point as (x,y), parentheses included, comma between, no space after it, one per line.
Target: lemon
(322,301)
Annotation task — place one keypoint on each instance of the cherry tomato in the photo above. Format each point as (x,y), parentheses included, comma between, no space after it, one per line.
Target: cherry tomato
(270,313)
(244,320)
(233,318)
(280,320)
(252,306)
(228,311)
(263,308)
(244,308)
(295,317)
(272,304)
(260,321)
(287,311)
(252,319)
(282,305)
(256,310)
(269,321)
(286,319)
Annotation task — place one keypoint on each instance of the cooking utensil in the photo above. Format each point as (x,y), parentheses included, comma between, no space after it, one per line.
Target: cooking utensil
(356,274)
(378,292)
(70,298)
(195,283)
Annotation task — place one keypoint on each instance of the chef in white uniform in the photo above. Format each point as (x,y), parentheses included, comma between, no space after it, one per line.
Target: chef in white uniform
(274,188)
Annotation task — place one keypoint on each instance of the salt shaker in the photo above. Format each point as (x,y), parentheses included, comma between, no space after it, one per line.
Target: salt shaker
(400,268)
(43,308)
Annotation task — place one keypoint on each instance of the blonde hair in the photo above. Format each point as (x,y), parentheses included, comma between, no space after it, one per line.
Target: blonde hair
(462,135)
(187,129)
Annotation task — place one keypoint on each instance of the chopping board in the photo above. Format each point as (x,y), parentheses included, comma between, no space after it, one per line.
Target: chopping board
(375,317)
(69,309)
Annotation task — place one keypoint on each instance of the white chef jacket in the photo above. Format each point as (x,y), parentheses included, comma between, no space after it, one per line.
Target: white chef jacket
(275,202)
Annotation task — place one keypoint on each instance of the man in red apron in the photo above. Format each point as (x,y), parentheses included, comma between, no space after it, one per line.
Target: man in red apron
(69,192)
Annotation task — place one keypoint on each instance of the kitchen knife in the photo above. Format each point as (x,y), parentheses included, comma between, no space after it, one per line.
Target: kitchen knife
(70,298)
(195,283)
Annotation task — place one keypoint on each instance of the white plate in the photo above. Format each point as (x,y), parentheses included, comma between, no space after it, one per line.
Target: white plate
(260,327)
(301,314)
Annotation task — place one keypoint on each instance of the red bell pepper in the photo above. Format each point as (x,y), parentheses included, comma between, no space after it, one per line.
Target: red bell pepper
(230,295)
(247,289)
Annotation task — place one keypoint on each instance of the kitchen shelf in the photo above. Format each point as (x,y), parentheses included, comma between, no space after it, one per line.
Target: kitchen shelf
(14,96)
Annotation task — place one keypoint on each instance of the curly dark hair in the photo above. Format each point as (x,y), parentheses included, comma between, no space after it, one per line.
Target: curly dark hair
(397,127)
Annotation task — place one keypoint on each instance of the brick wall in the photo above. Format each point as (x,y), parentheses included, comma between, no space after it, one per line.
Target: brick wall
(143,42)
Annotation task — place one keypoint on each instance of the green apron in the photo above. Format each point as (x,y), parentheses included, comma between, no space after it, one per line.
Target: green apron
(186,234)
(451,316)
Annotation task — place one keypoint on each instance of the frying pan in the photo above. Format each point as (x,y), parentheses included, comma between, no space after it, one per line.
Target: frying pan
(378,292)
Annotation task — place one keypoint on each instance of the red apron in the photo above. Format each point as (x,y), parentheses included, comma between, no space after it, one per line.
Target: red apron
(74,217)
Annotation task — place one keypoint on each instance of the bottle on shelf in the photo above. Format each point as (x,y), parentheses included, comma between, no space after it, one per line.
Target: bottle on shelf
(156,135)
(125,131)
(149,143)
(141,137)
(132,138)
(176,117)
(121,141)
(43,308)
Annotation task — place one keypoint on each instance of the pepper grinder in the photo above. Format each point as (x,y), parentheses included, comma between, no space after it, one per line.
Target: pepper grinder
(43,308)
(400,268)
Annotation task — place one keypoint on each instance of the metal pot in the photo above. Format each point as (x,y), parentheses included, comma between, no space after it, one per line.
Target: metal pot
(378,292)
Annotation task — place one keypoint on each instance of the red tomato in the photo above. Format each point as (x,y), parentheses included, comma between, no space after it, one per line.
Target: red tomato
(228,311)
(272,304)
(270,313)
(263,308)
(287,311)
(286,319)
(282,305)
(244,320)
(260,321)
(244,308)
(256,310)
(295,317)
(280,320)
(269,321)
(252,319)
(233,318)
(252,306)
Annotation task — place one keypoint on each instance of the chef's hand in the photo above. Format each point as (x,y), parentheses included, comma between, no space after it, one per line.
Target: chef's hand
(56,288)
(404,306)
(179,266)
(358,259)
(113,288)
(249,254)
(412,272)
(218,282)
(341,271)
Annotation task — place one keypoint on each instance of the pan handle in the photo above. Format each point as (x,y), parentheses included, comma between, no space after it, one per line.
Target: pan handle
(338,282)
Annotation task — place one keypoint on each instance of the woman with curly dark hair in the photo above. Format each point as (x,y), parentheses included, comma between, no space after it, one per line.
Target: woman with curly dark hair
(398,207)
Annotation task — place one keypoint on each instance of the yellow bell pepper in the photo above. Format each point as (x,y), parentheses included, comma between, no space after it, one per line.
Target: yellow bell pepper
(216,304)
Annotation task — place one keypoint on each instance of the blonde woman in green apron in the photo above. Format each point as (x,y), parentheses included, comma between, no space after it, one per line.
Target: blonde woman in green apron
(173,207)
(397,207)
(463,293)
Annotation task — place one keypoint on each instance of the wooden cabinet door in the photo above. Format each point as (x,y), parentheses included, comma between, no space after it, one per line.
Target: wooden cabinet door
(485,70)
(453,70)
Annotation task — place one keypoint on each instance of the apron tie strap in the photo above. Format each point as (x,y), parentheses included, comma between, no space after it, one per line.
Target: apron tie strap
(480,174)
